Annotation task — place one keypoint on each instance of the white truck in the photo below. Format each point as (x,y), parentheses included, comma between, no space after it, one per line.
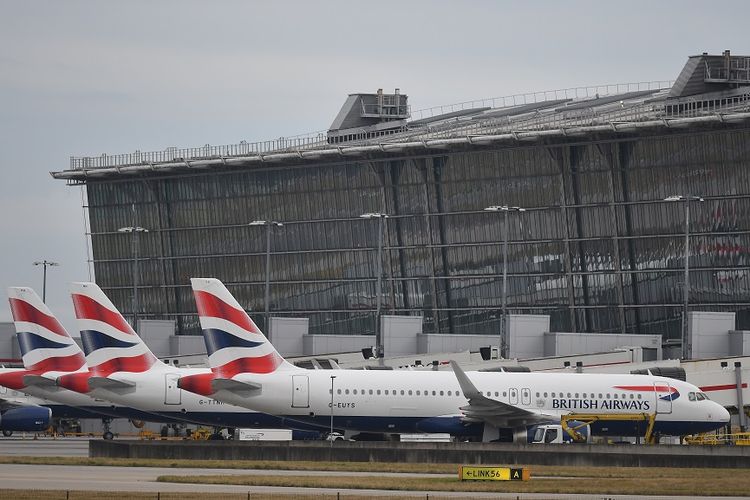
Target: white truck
(554,434)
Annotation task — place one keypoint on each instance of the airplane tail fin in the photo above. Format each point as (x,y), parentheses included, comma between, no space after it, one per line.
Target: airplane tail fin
(45,344)
(234,342)
(109,342)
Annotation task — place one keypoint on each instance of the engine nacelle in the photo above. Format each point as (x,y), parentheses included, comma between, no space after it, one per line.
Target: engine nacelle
(26,418)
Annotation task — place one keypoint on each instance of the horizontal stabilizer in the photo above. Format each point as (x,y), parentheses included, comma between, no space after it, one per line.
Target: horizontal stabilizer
(109,384)
(39,381)
(235,386)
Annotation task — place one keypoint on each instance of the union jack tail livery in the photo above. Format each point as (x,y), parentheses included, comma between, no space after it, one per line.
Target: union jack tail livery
(234,342)
(45,345)
(109,342)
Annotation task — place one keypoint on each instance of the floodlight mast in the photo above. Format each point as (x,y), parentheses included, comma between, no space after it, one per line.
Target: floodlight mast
(269,224)
(379,348)
(686,348)
(45,263)
(504,340)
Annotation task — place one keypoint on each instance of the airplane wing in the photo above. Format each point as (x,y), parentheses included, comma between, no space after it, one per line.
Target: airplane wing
(236,387)
(491,411)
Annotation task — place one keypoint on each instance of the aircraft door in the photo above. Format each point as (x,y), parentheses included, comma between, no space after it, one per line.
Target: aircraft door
(663,393)
(513,396)
(300,391)
(526,397)
(172,393)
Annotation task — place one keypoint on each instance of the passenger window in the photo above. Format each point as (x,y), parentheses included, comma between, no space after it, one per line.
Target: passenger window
(497,394)
(370,392)
(640,396)
(338,391)
(346,391)
(600,395)
(545,394)
(418,394)
(433,393)
(576,395)
(378,392)
(450,393)
(441,393)
(608,396)
(632,396)
(410,392)
(505,393)
(402,392)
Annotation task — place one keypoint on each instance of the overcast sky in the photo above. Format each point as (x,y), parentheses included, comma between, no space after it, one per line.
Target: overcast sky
(89,77)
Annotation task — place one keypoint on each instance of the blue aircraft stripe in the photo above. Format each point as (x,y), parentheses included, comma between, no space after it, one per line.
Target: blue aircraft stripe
(29,341)
(93,340)
(219,339)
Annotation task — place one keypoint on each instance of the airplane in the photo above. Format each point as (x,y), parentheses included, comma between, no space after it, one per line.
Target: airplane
(123,370)
(248,371)
(47,352)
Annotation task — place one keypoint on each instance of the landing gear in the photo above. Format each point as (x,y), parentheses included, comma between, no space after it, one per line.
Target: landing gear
(107,434)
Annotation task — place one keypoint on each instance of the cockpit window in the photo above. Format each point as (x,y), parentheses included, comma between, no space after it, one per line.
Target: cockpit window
(691,396)
(701,396)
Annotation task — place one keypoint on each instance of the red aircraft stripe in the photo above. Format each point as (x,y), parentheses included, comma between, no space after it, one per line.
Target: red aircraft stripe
(260,364)
(134,364)
(76,382)
(13,380)
(726,387)
(87,308)
(59,364)
(212,306)
(23,311)
(199,383)
(644,388)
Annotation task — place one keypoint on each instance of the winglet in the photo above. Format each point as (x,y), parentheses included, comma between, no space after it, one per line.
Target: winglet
(467,387)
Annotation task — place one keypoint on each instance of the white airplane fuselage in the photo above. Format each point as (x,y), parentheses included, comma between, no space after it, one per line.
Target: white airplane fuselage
(156,391)
(428,401)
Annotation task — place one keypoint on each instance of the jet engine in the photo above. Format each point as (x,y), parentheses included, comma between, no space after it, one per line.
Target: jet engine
(26,418)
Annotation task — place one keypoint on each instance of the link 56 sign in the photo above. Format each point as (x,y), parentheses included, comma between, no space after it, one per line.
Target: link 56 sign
(489,473)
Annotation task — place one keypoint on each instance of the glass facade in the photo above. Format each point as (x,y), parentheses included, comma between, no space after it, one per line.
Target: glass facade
(597,248)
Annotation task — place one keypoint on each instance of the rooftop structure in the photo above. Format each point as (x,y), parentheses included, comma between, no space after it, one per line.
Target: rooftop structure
(598,248)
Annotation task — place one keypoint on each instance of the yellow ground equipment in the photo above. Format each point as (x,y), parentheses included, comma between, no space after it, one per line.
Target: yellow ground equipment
(584,419)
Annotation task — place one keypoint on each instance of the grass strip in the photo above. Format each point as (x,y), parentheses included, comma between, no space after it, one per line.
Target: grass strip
(140,495)
(696,482)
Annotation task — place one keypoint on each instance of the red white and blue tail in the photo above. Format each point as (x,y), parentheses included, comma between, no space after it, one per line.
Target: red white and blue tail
(45,344)
(234,342)
(109,342)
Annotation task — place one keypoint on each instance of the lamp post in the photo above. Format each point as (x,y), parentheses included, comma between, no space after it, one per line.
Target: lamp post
(378,337)
(686,348)
(44,263)
(267,294)
(330,436)
(134,230)
(503,330)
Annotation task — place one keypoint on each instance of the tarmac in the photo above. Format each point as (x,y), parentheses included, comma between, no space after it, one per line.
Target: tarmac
(143,479)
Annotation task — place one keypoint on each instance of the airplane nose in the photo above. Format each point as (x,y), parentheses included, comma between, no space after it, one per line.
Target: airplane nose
(722,415)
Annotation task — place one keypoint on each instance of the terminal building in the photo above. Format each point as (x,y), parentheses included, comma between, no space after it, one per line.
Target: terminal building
(588,207)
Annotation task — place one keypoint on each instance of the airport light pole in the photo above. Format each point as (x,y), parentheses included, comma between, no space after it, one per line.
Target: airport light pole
(330,436)
(270,224)
(134,231)
(503,329)
(45,263)
(378,337)
(686,348)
